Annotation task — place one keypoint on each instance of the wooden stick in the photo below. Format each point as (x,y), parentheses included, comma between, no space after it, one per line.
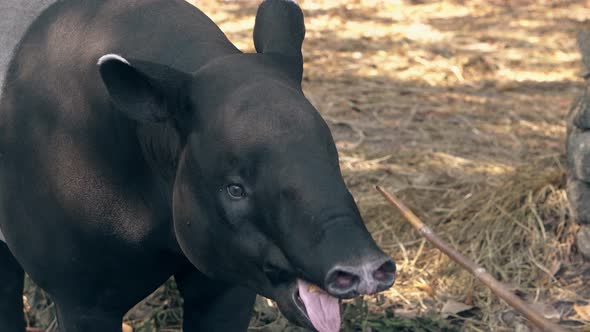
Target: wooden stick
(480,273)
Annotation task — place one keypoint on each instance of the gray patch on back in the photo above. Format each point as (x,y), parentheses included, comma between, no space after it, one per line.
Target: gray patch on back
(15,18)
(2,237)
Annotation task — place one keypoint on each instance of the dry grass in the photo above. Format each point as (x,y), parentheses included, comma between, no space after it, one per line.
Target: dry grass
(459,108)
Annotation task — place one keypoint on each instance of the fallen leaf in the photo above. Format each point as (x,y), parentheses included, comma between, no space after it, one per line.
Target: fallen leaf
(453,308)
(425,288)
(583,311)
(547,310)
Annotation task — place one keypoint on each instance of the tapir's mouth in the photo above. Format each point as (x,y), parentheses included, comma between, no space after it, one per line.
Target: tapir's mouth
(320,309)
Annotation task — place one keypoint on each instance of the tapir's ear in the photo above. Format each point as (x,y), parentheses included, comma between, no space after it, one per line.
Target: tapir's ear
(143,91)
(279,29)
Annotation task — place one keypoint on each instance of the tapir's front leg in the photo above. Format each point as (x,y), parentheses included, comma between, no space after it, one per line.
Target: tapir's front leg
(213,306)
(11,292)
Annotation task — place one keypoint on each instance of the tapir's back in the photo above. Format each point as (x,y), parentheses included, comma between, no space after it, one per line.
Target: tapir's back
(73,34)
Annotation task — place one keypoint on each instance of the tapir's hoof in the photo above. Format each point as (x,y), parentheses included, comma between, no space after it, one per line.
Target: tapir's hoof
(583,241)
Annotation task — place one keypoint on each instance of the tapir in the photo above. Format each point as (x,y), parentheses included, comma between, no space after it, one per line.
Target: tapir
(138,143)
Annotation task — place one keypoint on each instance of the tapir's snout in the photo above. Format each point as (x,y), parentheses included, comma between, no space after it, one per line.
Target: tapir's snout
(368,277)
(335,250)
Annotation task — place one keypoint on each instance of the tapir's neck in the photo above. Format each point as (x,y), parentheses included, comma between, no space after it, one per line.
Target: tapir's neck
(161,145)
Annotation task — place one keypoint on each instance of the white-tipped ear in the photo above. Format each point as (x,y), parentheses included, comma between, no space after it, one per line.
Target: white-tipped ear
(144,91)
(2,237)
(109,57)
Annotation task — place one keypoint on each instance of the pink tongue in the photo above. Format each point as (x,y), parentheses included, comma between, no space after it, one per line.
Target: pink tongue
(323,309)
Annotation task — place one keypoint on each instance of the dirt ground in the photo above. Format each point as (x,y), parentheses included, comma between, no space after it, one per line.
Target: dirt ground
(458,107)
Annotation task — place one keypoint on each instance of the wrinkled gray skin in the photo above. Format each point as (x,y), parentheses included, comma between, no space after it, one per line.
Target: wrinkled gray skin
(578,153)
(188,159)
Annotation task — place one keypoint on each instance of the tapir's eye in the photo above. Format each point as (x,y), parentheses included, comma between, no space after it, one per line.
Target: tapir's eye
(236,191)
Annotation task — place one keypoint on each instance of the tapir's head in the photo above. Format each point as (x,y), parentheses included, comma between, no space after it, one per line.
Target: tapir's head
(258,197)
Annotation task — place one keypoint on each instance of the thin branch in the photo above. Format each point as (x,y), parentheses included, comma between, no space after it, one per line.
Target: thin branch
(480,273)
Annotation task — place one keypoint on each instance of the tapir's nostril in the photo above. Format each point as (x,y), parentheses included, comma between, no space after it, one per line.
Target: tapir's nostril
(344,279)
(367,278)
(385,272)
(341,283)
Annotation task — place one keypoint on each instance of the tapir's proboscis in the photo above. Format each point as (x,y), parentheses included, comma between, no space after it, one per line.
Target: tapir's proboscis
(138,143)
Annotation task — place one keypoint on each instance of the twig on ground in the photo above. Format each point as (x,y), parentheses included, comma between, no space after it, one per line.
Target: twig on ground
(480,273)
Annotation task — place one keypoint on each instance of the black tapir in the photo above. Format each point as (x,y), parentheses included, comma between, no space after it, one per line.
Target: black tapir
(137,143)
